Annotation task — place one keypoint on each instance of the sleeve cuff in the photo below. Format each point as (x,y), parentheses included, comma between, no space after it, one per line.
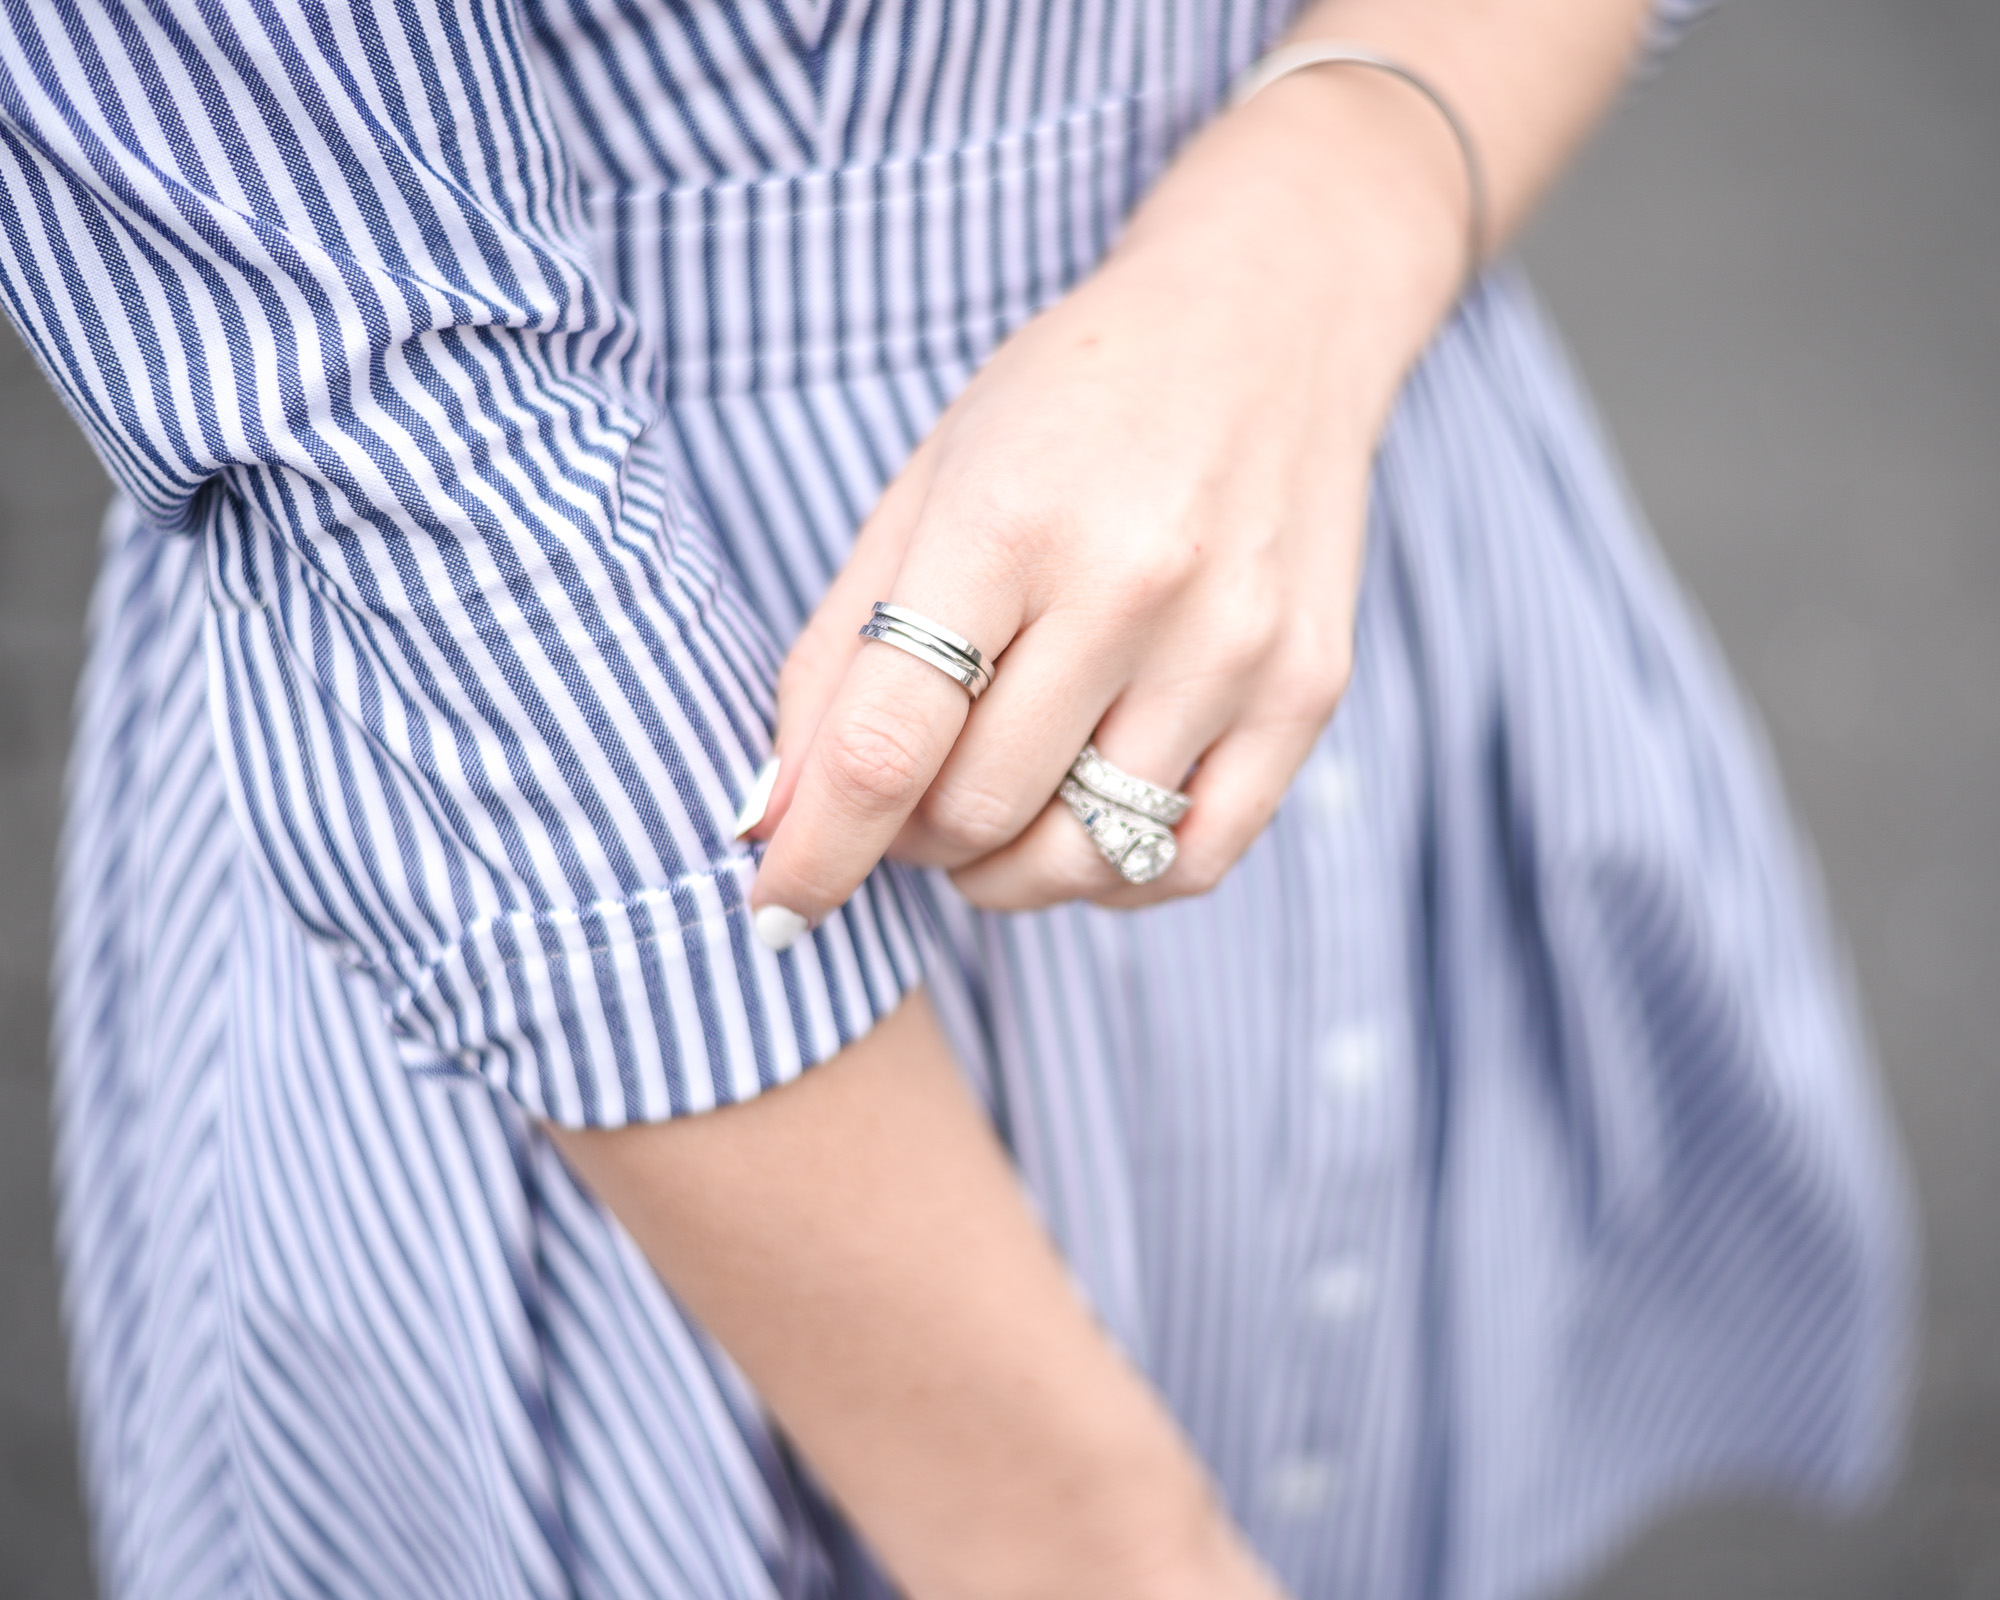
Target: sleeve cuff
(658,1005)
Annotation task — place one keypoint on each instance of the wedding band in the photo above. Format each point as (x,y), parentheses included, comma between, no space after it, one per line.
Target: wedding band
(1140,848)
(938,647)
(1130,820)
(1121,788)
(952,666)
(944,636)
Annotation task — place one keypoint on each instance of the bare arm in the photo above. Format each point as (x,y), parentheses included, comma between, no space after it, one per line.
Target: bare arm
(859,1245)
(856,1240)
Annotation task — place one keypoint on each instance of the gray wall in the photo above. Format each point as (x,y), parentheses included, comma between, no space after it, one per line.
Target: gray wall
(1779,270)
(51,494)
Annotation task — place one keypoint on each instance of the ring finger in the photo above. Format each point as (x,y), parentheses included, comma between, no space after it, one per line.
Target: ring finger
(1152,733)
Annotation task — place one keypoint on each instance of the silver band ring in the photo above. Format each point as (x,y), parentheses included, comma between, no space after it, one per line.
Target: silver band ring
(1138,847)
(1093,773)
(953,667)
(937,647)
(885,626)
(944,636)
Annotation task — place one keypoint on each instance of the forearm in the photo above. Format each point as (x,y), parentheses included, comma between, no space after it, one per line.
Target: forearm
(859,1245)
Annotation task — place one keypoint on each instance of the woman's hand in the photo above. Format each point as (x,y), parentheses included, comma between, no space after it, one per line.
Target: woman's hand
(1149,506)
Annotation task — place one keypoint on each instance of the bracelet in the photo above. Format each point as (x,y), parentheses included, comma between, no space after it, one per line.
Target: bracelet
(1290,58)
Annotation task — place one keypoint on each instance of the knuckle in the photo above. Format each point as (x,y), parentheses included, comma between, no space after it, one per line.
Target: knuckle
(1306,705)
(1009,529)
(971,819)
(1311,684)
(872,762)
(1140,588)
(1243,650)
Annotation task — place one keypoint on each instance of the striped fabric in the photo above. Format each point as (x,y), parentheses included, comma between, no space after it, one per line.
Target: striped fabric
(493,385)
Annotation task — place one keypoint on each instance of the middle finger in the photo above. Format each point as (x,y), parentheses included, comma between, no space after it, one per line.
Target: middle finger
(1020,739)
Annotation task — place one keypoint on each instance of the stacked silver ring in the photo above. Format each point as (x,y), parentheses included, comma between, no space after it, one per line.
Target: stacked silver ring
(1130,820)
(955,657)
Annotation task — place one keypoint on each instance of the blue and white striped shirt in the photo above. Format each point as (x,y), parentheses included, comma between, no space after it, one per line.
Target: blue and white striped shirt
(493,385)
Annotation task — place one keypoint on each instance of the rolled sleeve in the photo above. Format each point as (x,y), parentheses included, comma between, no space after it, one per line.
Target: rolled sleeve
(485,693)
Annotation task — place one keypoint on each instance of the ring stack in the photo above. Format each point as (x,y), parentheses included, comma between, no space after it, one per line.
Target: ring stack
(1130,820)
(1098,776)
(954,656)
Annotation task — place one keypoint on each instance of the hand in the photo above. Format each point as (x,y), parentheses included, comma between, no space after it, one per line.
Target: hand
(1149,507)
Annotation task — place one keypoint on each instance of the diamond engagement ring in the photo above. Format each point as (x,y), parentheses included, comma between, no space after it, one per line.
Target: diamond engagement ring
(938,647)
(1128,819)
(1140,848)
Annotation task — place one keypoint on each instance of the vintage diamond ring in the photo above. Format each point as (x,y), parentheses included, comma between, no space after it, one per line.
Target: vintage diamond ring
(1098,776)
(1140,848)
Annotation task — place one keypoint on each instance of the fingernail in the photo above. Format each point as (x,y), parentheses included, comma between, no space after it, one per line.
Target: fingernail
(759,798)
(779,928)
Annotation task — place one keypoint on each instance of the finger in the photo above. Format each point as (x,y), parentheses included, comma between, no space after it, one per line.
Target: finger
(1051,862)
(830,640)
(869,762)
(1005,766)
(1155,732)
(1016,746)
(1242,782)
(876,749)
(1296,686)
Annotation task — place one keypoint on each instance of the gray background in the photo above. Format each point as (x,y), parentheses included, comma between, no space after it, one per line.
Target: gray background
(1779,271)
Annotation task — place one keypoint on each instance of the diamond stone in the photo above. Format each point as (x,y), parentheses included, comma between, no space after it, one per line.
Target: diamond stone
(1147,856)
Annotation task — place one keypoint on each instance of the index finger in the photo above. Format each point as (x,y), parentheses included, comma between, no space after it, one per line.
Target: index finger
(876,750)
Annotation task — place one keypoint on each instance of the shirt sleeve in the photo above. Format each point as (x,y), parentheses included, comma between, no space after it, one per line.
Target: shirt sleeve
(486,693)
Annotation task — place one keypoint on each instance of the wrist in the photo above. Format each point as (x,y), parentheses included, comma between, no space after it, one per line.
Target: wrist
(1335,200)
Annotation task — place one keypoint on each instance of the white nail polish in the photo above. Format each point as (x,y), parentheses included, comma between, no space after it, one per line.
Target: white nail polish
(779,928)
(758,799)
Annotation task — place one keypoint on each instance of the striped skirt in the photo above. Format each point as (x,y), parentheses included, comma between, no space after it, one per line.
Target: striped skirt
(1490,1158)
